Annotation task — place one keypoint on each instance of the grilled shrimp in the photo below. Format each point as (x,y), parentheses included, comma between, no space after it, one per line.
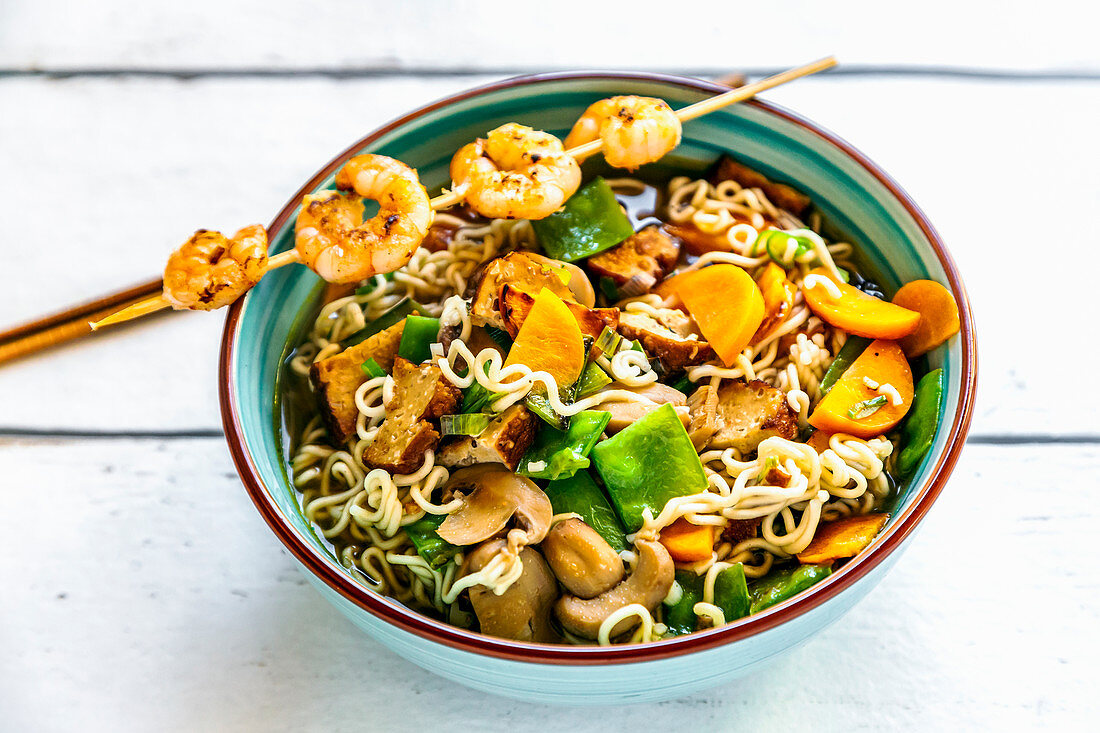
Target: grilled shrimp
(634,130)
(515,173)
(209,271)
(335,242)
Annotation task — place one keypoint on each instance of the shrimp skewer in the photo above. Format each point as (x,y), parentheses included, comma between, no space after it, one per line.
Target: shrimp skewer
(455,196)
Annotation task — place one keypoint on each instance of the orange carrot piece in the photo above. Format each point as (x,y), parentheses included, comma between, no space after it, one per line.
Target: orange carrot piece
(698,242)
(883,362)
(858,313)
(726,305)
(778,294)
(688,542)
(819,441)
(843,538)
(939,315)
(549,340)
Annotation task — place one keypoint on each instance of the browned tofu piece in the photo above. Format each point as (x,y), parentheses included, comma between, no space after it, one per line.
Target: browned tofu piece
(624,414)
(505,441)
(675,348)
(527,271)
(336,378)
(421,394)
(739,530)
(739,415)
(782,195)
(638,263)
(515,304)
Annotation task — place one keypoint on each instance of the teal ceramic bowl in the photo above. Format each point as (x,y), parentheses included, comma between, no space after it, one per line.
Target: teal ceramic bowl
(856,198)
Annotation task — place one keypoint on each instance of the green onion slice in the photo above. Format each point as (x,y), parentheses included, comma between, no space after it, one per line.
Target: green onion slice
(608,342)
(371,368)
(860,410)
(473,423)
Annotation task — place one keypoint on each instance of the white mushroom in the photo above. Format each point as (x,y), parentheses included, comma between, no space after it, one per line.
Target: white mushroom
(523,611)
(493,496)
(581,558)
(648,585)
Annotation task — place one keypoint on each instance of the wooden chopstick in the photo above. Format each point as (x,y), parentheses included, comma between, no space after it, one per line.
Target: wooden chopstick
(70,324)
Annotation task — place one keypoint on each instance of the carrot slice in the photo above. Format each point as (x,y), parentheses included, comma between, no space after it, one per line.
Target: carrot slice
(778,294)
(688,542)
(819,441)
(549,340)
(856,312)
(854,407)
(843,538)
(726,305)
(939,315)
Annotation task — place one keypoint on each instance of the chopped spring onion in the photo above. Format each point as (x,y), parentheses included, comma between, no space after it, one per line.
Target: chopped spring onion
(400,310)
(371,368)
(473,423)
(769,464)
(608,342)
(683,384)
(778,245)
(860,410)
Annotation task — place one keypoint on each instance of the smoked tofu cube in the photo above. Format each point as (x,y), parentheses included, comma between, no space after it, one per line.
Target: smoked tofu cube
(505,441)
(336,379)
(676,349)
(421,395)
(739,415)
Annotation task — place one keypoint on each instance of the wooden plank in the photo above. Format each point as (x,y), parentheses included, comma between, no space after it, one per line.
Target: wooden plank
(712,35)
(142,591)
(144,162)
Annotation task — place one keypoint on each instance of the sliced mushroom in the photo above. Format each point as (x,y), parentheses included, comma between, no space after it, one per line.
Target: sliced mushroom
(581,558)
(494,495)
(647,585)
(523,611)
(579,285)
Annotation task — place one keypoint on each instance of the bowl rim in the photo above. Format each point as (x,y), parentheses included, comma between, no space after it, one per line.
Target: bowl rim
(325,569)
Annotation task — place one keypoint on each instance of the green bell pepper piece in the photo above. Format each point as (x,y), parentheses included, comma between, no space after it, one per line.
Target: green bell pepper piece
(647,463)
(429,545)
(848,353)
(731,592)
(579,494)
(780,585)
(680,617)
(590,222)
(398,312)
(416,340)
(924,419)
(562,454)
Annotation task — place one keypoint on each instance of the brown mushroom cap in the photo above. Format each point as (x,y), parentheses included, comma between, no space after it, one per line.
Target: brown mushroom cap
(581,558)
(523,611)
(579,285)
(648,585)
(494,495)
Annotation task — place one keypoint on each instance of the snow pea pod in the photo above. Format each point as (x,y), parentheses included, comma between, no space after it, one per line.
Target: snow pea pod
(781,585)
(731,592)
(429,545)
(417,338)
(590,222)
(680,616)
(647,463)
(560,454)
(848,353)
(580,495)
(924,419)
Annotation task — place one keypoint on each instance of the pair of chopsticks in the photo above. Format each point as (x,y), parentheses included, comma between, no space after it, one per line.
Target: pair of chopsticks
(74,323)
(69,324)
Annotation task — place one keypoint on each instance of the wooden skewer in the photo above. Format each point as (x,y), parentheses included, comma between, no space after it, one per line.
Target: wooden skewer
(450,198)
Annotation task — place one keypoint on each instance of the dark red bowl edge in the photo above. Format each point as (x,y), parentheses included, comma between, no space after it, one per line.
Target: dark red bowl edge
(439,632)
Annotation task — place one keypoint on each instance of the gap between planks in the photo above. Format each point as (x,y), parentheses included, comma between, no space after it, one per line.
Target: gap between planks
(852,70)
(31,434)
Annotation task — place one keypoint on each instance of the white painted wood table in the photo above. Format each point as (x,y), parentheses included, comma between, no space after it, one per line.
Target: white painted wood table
(141,590)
